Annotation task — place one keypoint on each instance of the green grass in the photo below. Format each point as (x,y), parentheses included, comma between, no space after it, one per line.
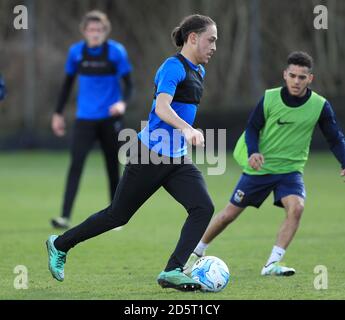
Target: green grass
(124,264)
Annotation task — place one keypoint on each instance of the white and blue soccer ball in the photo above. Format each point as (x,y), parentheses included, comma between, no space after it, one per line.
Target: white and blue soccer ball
(212,273)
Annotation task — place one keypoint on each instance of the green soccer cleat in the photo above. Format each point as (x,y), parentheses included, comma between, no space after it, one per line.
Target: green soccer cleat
(56,259)
(276,269)
(187,269)
(176,279)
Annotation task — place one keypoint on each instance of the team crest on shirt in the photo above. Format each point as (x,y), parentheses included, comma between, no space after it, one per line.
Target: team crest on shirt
(238,197)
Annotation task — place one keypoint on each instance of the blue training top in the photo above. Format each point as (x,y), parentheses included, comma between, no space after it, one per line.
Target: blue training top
(98,92)
(158,135)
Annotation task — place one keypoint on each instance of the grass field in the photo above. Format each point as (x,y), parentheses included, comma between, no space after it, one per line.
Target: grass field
(124,264)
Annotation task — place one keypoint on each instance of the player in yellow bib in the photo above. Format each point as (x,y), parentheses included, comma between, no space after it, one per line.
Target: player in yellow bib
(273,151)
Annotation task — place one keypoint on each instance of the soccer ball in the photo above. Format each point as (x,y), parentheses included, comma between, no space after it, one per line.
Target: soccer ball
(211,272)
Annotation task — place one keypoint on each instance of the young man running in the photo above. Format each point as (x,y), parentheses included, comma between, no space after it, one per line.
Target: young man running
(178,90)
(273,151)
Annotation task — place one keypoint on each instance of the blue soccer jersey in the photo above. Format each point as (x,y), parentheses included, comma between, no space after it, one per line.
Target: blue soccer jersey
(158,135)
(97,92)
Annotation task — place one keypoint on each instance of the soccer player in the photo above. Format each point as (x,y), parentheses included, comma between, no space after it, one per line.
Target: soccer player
(178,90)
(101,65)
(273,151)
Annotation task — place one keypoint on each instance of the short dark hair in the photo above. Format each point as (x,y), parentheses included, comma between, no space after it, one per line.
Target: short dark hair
(194,23)
(300,58)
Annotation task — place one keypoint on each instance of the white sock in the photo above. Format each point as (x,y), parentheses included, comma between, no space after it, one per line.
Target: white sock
(277,255)
(200,248)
